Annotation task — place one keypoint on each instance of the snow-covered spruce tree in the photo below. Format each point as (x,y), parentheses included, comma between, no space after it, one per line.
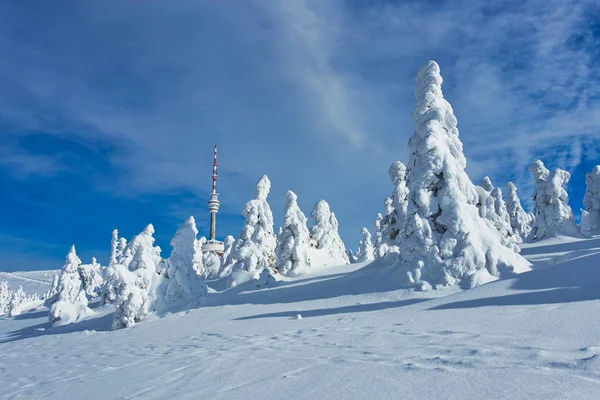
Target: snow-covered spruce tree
(121,248)
(226,263)
(590,217)
(212,264)
(91,276)
(325,237)
(199,256)
(17,298)
(520,221)
(254,250)
(397,218)
(553,215)
(351,256)
(114,244)
(4,298)
(293,241)
(445,240)
(491,206)
(184,284)
(70,303)
(365,251)
(378,232)
(138,279)
(486,184)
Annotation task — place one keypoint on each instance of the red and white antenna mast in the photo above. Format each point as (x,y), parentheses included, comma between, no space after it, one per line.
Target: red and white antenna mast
(213,204)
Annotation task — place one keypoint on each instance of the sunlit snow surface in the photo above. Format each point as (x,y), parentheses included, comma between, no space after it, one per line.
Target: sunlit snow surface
(534,336)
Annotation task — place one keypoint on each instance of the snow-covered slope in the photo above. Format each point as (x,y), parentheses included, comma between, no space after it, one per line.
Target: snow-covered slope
(533,336)
(31,281)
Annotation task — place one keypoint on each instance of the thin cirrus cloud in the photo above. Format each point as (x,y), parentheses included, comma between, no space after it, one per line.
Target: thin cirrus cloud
(308,92)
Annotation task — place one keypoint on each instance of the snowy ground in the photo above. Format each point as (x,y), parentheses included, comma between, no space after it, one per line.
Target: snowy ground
(535,336)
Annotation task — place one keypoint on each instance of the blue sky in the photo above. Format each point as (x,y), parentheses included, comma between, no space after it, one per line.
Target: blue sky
(109,110)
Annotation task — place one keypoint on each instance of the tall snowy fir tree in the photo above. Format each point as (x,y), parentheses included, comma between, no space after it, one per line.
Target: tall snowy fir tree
(365,252)
(136,292)
(520,221)
(114,245)
(4,298)
(394,221)
(378,246)
(184,284)
(445,240)
(254,250)
(212,264)
(227,248)
(486,184)
(91,276)
(553,215)
(293,241)
(70,302)
(590,216)
(328,247)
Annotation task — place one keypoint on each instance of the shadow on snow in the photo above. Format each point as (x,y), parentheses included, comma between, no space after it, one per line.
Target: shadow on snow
(357,308)
(573,281)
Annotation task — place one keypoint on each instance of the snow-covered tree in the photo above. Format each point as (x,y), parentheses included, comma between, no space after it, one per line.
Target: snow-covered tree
(590,217)
(91,276)
(70,303)
(137,279)
(254,249)
(184,285)
(199,256)
(114,244)
(227,247)
(351,256)
(486,184)
(553,215)
(5,296)
(445,241)
(17,298)
(492,207)
(325,237)
(520,221)
(212,264)
(293,241)
(121,248)
(378,231)
(365,251)
(396,219)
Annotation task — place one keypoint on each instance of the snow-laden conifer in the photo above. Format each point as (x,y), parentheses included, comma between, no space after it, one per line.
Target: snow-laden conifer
(445,240)
(325,239)
(70,303)
(184,284)
(377,225)
(121,248)
(520,221)
(397,217)
(293,241)
(17,298)
(254,249)
(5,296)
(225,265)
(486,184)
(365,252)
(553,215)
(199,256)
(590,216)
(212,264)
(138,279)
(91,277)
(351,256)
(114,245)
